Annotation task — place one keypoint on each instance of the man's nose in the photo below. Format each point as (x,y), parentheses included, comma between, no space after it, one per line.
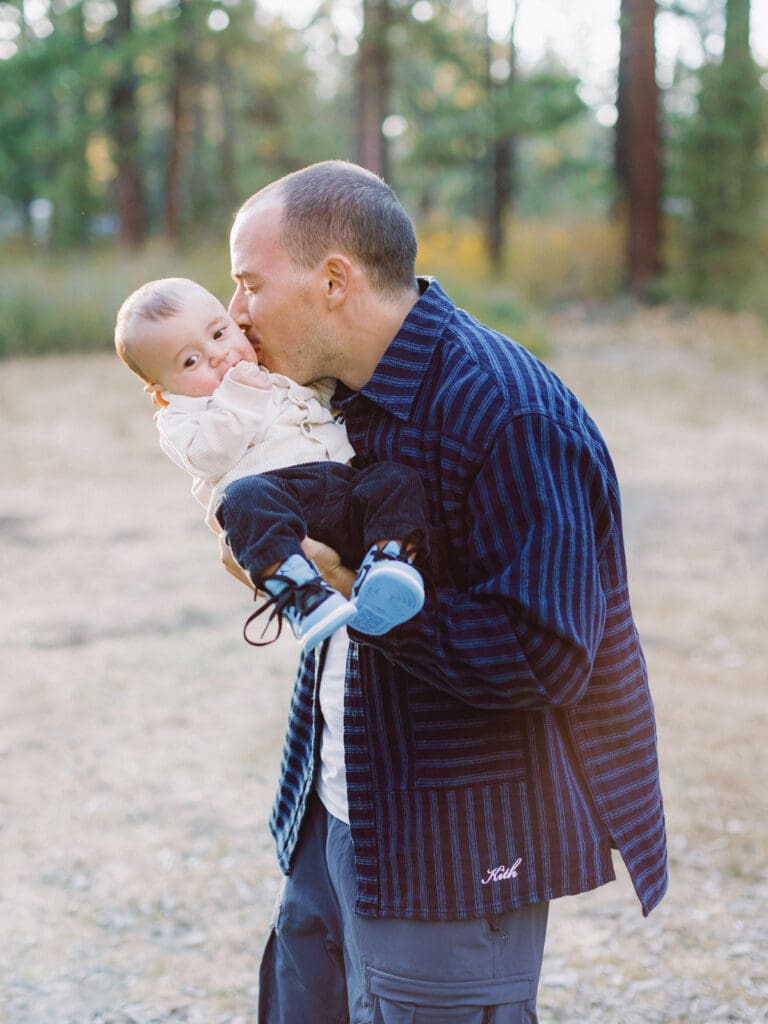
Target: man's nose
(238,307)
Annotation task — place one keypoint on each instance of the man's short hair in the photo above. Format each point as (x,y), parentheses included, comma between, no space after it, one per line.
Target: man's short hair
(155,300)
(339,205)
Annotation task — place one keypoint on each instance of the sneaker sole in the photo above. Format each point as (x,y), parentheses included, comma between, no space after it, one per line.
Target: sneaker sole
(342,615)
(387,600)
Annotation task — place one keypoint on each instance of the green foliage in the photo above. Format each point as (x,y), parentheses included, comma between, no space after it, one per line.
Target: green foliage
(45,122)
(722,172)
(262,98)
(83,292)
(63,303)
(549,261)
(246,119)
(250,119)
(540,104)
(455,112)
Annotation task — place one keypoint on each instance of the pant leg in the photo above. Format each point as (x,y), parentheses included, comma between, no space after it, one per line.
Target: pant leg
(322,490)
(302,978)
(351,509)
(387,502)
(483,971)
(266,516)
(262,520)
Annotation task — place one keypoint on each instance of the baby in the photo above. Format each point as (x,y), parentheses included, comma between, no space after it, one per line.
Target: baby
(270,464)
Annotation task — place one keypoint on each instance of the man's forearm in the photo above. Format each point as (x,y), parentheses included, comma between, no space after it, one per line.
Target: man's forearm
(484,653)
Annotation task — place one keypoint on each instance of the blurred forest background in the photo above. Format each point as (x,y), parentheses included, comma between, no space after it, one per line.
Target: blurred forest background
(130,131)
(591,176)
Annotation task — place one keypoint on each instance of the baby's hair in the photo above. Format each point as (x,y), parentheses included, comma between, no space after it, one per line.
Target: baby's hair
(155,300)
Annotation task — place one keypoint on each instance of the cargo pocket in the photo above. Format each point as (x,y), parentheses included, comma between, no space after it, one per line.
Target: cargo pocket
(400,1000)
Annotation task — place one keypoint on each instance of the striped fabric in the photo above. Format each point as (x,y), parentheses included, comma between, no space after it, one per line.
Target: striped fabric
(503,741)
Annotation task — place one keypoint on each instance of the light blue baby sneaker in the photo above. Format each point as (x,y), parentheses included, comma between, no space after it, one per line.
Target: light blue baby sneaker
(387,591)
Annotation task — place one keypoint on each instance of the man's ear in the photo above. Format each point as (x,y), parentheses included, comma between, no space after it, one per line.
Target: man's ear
(337,278)
(155,393)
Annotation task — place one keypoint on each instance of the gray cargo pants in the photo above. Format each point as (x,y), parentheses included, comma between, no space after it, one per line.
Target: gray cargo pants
(324,964)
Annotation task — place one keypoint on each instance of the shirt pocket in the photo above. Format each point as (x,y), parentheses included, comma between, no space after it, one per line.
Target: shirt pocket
(457,745)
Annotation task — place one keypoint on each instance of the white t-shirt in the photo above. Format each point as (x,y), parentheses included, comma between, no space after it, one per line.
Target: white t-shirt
(332,783)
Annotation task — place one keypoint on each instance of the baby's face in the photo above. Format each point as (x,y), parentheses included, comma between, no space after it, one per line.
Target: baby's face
(189,354)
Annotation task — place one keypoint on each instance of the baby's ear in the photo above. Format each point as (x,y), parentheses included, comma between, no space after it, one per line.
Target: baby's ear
(155,392)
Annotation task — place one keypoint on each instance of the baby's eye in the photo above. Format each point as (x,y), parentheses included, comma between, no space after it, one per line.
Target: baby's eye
(218,334)
(190,361)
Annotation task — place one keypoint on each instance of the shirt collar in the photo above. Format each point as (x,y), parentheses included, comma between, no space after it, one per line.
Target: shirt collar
(398,376)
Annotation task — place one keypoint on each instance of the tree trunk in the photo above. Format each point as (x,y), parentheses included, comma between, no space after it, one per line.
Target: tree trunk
(227,150)
(74,205)
(503,148)
(638,145)
(129,185)
(737,33)
(741,96)
(179,111)
(374,73)
(621,142)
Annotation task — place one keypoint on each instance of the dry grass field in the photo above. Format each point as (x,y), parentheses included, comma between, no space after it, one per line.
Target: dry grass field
(140,737)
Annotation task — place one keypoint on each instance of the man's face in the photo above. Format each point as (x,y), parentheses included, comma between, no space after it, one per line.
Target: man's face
(277,305)
(188,354)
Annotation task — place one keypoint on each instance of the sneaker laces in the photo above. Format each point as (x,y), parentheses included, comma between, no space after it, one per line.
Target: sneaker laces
(377,554)
(298,595)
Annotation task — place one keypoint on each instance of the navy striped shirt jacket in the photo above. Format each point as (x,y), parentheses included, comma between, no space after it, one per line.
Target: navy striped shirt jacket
(502,742)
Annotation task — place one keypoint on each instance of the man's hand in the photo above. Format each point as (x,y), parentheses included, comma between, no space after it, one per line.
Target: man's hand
(228,561)
(326,559)
(329,564)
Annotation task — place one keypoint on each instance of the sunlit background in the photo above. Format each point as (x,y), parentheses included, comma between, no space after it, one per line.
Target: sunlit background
(529,160)
(619,232)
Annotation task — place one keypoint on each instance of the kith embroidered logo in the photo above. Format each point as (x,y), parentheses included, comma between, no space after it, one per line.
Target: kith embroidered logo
(502,872)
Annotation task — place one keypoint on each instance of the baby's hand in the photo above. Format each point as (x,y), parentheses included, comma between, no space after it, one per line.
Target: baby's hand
(250,374)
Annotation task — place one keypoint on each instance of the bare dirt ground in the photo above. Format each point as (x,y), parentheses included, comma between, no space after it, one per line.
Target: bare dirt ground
(140,737)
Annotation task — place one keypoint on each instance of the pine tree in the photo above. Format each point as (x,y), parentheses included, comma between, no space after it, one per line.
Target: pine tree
(124,129)
(374,76)
(637,154)
(721,169)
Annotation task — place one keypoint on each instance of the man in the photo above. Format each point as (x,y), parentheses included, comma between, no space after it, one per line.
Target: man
(485,757)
